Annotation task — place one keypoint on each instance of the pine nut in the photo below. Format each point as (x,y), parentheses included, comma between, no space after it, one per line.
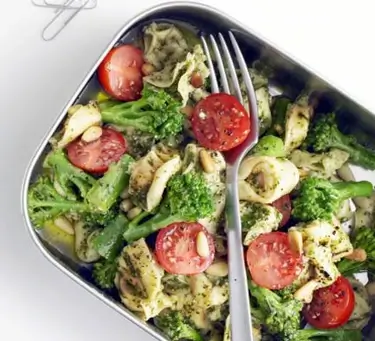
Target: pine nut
(187,110)
(64,224)
(296,241)
(135,211)
(126,205)
(92,134)
(125,193)
(358,255)
(206,161)
(305,293)
(370,287)
(203,248)
(147,69)
(219,269)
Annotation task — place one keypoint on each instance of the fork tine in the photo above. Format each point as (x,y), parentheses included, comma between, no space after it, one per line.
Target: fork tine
(232,69)
(214,83)
(220,64)
(245,76)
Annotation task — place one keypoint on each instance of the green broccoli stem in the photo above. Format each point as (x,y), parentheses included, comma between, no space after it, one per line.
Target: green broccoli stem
(109,241)
(157,222)
(108,188)
(359,155)
(141,123)
(352,189)
(279,110)
(329,335)
(364,239)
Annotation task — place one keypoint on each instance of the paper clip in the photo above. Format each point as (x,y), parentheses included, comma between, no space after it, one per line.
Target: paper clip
(50,31)
(57,4)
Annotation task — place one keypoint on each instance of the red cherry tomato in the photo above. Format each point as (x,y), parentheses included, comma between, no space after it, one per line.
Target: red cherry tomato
(271,261)
(284,206)
(176,249)
(96,156)
(331,306)
(120,73)
(220,122)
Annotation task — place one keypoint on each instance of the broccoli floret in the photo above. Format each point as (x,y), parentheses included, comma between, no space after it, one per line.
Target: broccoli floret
(156,112)
(104,273)
(68,178)
(269,145)
(319,199)
(325,135)
(364,240)
(173,324)
(45,204)
(279,316)
(328,335)
(105,192)
(197,203)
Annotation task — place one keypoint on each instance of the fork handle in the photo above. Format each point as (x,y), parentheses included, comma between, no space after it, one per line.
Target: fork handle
(239,302)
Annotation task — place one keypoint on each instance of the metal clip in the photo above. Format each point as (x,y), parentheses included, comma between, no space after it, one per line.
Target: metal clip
(50,31)
(75,4)
(57,4)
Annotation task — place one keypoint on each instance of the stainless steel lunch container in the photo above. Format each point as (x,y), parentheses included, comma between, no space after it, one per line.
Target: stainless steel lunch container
(290,76)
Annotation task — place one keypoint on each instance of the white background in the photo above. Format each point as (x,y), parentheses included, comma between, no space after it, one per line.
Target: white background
(37,302)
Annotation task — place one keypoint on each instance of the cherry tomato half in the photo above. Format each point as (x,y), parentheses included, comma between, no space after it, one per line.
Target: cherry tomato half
(331,306)
(120,73)
(271,261)
(284,206)
(96,156)
(176,249)
(220,122)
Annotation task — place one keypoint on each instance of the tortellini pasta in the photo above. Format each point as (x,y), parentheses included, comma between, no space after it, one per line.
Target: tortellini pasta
(164,44)
(150,175)
(83,118)
(323,165)
(258,218)
(297,125)
(257,335)
(139,280)
(84,248)
(323,245)
(183,71)
(265,179)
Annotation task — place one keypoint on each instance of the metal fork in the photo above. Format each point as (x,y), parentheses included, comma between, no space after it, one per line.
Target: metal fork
(240,312)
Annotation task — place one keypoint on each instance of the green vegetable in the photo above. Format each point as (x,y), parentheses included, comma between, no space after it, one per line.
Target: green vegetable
(108,188)
(279,110)
(269,145)
(104,273)
(327,335)
(325,135)
(66,177)
(156,112)
(173,324)
(280,316)
(319,199)
(45,204)
(197,202)
(364,238)
(109,241)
